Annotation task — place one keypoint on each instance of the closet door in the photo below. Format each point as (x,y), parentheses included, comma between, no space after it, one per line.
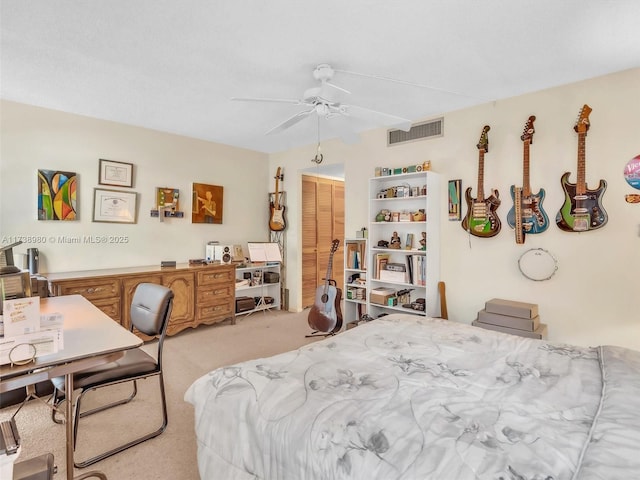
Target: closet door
(322,222)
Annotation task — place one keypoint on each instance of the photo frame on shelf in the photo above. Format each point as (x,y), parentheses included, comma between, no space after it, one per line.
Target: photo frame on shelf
(116,174)
(114,206)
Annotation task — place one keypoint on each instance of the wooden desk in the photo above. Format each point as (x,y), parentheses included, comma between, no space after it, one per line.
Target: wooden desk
(91,338)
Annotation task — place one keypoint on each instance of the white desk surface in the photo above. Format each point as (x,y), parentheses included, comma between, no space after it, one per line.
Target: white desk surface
(88,332)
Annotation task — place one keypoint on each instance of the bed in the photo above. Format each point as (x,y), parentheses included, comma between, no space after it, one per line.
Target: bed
(407,397)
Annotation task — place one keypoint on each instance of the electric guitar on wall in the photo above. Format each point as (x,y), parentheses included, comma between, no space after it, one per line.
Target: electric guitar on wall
(325,314)
(277,221)
(532,217)
(582,209)
(481,219)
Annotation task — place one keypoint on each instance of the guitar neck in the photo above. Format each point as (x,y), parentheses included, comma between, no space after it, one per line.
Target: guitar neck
(276,201)
(481,176)
(329,272)
(581,184)
(526,187)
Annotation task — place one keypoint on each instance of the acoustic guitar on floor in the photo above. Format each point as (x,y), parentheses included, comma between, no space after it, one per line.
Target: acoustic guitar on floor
(325,315)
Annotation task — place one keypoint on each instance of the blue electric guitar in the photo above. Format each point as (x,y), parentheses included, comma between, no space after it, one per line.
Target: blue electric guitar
(325,315)
(582,209)
(534,219)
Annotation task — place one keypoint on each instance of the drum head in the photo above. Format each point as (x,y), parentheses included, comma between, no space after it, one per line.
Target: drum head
(537,264)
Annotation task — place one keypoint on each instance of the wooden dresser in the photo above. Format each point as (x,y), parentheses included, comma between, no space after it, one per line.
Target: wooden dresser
(202,294)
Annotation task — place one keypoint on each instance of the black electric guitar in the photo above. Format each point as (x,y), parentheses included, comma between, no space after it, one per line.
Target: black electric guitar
(325,314)
(277,221)
(481,219)
(582,209)
(533,218)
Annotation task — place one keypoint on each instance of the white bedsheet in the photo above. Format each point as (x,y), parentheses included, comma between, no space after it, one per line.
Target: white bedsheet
(404,397)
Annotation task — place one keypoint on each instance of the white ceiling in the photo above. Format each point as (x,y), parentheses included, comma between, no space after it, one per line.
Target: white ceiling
(174,65)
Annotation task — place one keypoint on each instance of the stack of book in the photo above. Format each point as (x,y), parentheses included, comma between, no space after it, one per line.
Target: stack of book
(508,316)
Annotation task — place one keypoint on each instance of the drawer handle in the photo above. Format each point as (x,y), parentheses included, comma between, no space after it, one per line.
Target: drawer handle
(218,292)
(217,308)
(94,290)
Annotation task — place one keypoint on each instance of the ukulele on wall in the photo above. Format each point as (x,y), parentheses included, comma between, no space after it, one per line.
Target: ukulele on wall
(481,219)
(533,218)
(582,209)
(325,314)
(277,221)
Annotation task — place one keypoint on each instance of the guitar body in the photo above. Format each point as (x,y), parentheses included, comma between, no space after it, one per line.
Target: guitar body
(277,221)
(580,213)
(325,314)
(481,219)
(534,218)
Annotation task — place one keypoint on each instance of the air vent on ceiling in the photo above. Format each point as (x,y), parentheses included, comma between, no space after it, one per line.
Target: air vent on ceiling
(419,131)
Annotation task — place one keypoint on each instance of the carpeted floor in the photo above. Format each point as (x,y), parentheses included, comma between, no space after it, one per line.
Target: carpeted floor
(187,356)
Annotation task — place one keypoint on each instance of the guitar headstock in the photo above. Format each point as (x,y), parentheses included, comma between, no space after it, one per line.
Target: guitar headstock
(334,245)
(582,125)
(483,143)
(279,174)
(527,133)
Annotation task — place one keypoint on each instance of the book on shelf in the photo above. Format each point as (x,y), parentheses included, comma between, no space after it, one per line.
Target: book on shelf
(380,262)
(417,269)
(356,256)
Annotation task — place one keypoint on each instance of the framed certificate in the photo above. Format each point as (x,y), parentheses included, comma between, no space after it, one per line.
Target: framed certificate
(114,206)
(117,174)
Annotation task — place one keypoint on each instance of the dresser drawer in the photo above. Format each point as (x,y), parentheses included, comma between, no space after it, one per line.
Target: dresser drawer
(217,275)
(91,289)
(220,310)
(110,307)
(212,294)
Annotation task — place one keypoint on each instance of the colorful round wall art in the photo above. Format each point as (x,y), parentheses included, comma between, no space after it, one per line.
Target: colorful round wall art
(632,172)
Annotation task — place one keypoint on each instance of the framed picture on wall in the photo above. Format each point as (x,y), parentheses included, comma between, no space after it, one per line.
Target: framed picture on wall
(114,206)
(117,174)
(206,203)
(57,195)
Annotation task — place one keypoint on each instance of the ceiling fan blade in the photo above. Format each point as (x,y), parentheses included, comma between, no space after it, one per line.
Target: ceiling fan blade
(292,120)
(381,118)
(260,99)
(333,85)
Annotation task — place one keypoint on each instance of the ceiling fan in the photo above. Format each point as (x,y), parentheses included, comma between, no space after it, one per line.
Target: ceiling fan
(319,100)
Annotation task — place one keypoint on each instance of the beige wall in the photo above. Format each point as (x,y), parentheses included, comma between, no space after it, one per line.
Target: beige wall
(35,138)
(593,298)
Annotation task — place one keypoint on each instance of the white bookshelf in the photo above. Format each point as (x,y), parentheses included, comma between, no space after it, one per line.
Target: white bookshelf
(403,195)
(257,288)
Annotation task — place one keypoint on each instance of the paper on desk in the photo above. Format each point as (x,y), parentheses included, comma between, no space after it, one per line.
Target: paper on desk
(30,345)
(21,316)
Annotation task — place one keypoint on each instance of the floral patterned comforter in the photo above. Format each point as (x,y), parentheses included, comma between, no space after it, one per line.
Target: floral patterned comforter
(405,397)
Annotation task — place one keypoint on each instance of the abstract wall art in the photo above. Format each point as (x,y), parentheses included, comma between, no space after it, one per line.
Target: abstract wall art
(57,195)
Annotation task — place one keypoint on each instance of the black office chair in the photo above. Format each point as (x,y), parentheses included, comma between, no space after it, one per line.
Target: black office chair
(150,312)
